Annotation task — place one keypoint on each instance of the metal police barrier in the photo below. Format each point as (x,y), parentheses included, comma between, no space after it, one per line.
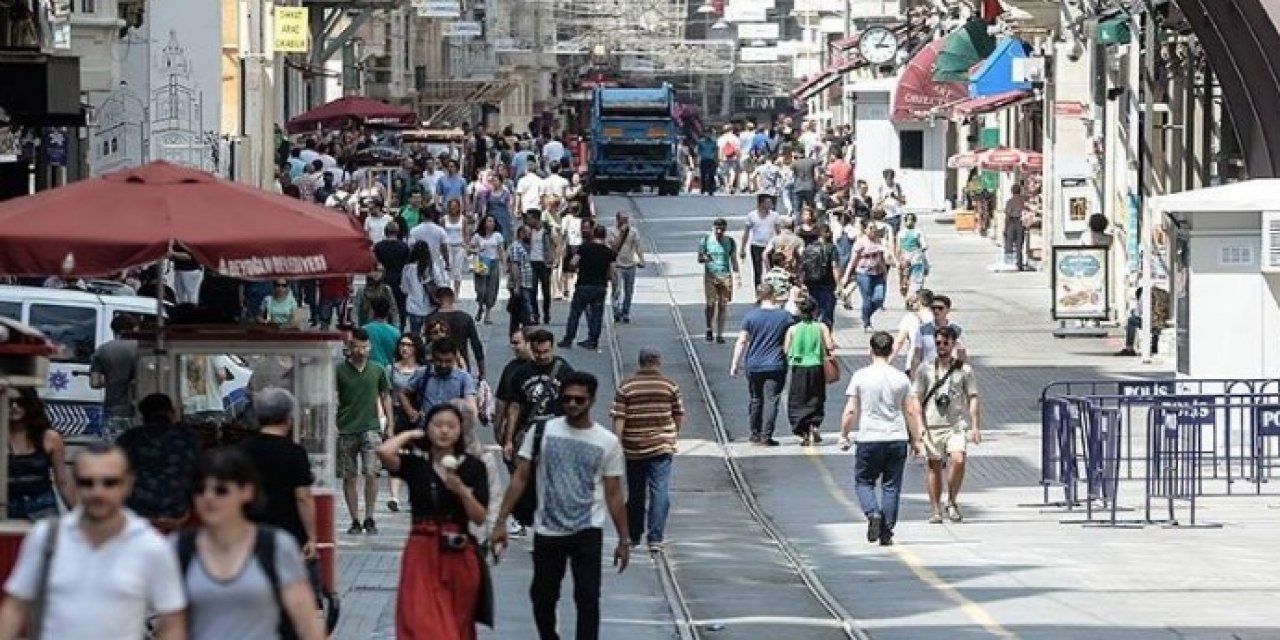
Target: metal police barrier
(1136,397)
(1059,420)
(1174,459)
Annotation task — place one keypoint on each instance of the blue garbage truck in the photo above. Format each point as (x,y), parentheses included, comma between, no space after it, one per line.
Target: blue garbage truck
(634,140)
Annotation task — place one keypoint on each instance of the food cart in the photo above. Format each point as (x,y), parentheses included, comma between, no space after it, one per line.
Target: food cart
(190,364)
(24,363)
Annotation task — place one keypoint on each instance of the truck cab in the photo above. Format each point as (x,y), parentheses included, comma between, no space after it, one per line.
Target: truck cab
(634,140)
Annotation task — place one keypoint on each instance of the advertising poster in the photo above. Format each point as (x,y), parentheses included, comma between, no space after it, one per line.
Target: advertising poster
(1080,283)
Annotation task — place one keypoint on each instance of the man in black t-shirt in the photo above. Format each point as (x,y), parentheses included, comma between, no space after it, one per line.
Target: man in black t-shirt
(503,393)
(595,262)
(533,391)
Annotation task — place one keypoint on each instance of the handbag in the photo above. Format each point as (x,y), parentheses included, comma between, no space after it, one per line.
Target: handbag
(831,369)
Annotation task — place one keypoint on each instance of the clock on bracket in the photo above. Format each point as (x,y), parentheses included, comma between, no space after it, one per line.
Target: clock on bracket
(878,45)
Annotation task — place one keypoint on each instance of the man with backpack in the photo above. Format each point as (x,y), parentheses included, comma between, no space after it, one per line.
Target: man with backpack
(730,158)
(716,252)
(532,395)
(579,467)
(784,249)
(818,271)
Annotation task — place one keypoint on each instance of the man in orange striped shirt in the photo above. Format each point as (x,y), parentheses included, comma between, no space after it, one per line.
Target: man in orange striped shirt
(647,414)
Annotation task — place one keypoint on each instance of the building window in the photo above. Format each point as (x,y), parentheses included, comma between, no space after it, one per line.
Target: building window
(420,77)
(86,6)
(911,149)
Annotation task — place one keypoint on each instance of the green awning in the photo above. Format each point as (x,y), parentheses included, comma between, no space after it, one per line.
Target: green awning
(964,48)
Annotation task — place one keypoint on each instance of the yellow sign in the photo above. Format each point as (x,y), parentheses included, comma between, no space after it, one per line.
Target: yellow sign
(291,29)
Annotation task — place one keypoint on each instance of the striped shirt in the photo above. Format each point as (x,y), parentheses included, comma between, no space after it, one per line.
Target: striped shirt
(649,402)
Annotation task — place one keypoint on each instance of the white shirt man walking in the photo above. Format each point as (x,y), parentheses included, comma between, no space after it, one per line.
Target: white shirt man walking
(103,571)
(884,417)
(948,393)
(569,520)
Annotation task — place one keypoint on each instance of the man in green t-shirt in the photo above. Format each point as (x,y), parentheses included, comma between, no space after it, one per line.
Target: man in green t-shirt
(412,212)
(718,254)
(362,387)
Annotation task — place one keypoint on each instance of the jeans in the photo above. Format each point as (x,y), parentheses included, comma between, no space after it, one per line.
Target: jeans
(415,324)
(1131,328)
(803,198)
(872,290)
(707,175)
(825,298)
(894,222)
(765,388)
(757,264)
(648,497)
(729,175)
(1014,237)
(582,551)
(327,308)
(881,462)
(487,286)
(624,287)
(541,279)
(589,298)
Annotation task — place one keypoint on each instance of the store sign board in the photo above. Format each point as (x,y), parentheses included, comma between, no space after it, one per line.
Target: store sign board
(291,29)
(440,9)
(758,31)
(1081,282)
(758,54)
(463,29)
(1077,204)
(819,6)
(745,13)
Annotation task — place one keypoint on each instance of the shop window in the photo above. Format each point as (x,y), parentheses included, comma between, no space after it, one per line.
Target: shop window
(911,149)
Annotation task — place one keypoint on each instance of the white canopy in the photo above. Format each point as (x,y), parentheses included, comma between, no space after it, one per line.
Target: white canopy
(1249,195)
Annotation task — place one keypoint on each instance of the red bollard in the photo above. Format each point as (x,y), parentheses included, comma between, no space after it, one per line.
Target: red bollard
(325,546)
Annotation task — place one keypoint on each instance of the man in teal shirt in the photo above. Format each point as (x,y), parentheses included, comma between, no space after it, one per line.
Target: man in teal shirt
(383,337)
(412,212)
(719,255)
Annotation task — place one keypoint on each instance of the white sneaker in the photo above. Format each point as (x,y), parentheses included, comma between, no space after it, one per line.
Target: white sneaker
(516,530)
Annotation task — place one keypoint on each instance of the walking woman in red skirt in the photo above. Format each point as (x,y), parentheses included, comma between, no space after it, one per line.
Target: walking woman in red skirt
(444,587)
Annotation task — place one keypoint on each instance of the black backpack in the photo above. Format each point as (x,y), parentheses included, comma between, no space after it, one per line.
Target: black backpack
(815,267)
(527,504)
(264,552)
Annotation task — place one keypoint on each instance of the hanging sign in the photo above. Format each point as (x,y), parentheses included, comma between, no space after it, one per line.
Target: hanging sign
(291,29)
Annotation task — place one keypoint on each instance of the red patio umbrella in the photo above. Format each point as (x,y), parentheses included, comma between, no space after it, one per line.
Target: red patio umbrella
(352,110)
(917,94)
(963,160)
(1010,159)
(136,216)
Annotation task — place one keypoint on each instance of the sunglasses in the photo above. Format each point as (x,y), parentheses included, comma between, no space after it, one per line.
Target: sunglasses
(107,482)
(574,399)
(219,489)
(938,308)
(281,285)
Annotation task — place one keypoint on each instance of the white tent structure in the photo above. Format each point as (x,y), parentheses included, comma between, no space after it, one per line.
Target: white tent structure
(1225,259)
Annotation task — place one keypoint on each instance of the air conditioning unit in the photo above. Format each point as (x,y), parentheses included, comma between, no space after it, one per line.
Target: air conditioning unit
(1270,262)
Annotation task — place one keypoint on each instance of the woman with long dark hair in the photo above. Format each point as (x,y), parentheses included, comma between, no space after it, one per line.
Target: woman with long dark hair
(415,281)
(231,591)
(807,344)
(410,365)
(37,460)
(489,246)
(442,575)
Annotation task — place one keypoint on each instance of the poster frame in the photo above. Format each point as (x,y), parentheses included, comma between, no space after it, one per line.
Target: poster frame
(1103,254)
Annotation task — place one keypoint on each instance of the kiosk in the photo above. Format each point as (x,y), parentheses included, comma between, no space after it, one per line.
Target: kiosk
(1225,260)
(192,364)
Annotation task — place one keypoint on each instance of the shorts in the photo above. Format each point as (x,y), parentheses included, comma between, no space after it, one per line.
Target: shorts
(717,288)
(356,453)
(941,442)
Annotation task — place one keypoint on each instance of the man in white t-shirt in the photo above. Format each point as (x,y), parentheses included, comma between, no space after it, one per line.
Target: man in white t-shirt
(884,416)
(923,348)
(109,569)
(553,152)
(554,185)
(579,469)
(437,239)
(889,197)
(761,227)
(905,341)
(375,224)
(429,181)
(529,189)
(812,140)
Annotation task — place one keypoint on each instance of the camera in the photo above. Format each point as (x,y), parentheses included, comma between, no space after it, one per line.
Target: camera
(942,402)
(453,541)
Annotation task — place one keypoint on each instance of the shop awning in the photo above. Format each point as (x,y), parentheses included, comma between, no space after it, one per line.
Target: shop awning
(995,75)
(829,76)
(961,50)
(989,104)
(917,94)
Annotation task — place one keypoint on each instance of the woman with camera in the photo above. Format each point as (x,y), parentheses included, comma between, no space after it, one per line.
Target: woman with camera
(441,572)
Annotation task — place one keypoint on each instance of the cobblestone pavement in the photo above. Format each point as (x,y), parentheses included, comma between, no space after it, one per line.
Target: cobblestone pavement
(1009,571)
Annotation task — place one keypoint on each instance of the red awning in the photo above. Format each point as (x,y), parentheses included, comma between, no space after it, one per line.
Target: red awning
(917,94)
(829,76)
(989,104)
(352,110)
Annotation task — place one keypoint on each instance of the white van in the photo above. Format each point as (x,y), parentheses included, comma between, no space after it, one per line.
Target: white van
(78,322)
